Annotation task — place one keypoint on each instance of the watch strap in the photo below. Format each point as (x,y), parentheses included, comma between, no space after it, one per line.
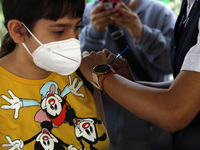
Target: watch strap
(95,78)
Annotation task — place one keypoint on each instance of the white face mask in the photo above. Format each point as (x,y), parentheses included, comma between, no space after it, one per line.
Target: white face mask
(63,57)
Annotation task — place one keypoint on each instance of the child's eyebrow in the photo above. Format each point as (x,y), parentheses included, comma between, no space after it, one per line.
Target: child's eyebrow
(63,24)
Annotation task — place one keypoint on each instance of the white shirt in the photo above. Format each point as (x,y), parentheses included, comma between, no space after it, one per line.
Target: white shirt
(189,6)
(192,58)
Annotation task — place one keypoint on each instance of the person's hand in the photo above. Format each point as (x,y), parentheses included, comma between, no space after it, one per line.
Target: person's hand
(15,103)
(128,19)
(16,144)
(100,17)
(120,66)
(89,61)
(74,86)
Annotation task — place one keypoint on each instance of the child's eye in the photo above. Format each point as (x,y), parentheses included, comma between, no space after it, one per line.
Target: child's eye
(59,32)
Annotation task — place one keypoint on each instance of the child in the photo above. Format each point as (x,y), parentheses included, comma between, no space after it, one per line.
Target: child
(44,102)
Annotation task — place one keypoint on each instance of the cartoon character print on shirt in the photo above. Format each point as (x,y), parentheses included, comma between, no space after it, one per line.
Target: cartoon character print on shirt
(45,140)
(17,103)
(85,129)
(58,111)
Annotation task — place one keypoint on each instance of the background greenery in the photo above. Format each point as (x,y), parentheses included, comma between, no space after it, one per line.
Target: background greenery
(2,29)
(173,4)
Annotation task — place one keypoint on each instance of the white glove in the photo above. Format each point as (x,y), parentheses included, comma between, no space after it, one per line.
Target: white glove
(15,103)
(73,88)
(17,144)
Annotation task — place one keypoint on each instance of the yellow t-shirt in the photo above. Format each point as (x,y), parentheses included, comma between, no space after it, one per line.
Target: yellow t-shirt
(55,113)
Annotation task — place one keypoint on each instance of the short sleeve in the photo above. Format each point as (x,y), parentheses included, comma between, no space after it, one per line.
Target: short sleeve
(192,58)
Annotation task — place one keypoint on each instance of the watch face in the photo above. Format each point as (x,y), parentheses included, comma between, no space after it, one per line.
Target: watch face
(102,68)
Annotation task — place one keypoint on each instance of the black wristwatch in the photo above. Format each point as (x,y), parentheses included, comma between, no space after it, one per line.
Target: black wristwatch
(100,70)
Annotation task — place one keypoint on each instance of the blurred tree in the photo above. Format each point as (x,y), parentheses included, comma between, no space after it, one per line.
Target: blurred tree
(2,29)
(166,1)
(175,6)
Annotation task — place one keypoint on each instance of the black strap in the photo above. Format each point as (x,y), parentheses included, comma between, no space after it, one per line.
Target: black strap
(119,38)
(86,83)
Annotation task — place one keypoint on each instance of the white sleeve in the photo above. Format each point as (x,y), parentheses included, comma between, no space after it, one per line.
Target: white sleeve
(192,58)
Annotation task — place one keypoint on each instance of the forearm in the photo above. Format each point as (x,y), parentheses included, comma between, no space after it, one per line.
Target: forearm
(167,108)
(133,97)
(99,105)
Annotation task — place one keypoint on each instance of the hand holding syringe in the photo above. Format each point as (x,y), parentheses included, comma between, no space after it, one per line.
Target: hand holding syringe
(119,55)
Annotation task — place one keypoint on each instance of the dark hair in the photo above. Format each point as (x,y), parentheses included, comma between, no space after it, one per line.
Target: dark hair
(29,11)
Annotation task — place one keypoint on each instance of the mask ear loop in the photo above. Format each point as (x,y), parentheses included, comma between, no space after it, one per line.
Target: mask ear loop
(33,37)
(32,34)
(26,48)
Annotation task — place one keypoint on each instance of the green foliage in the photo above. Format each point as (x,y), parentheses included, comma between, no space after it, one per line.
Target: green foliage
(1,14)
(166,1)
(89,1)
(2,29)
(175,6)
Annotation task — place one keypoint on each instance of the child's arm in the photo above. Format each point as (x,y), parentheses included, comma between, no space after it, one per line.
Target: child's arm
(99,105)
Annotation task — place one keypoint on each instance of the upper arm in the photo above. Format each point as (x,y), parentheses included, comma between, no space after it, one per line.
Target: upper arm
(99,104)
(184,98)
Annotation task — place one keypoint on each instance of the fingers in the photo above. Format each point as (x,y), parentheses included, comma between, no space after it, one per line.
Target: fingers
(123,15)
(85,54)
(97,55)
(122,5)
(11,93)
(70,80)
(101,55)
(106,52)
(94,58)
(99,7)
(6,107)
(100,17)
(9,139)
(16,115)
(110,57)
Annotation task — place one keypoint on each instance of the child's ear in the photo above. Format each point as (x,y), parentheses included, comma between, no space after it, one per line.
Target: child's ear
(16,30)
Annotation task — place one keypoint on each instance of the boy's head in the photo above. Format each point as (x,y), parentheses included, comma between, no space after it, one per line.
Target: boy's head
(29,11)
